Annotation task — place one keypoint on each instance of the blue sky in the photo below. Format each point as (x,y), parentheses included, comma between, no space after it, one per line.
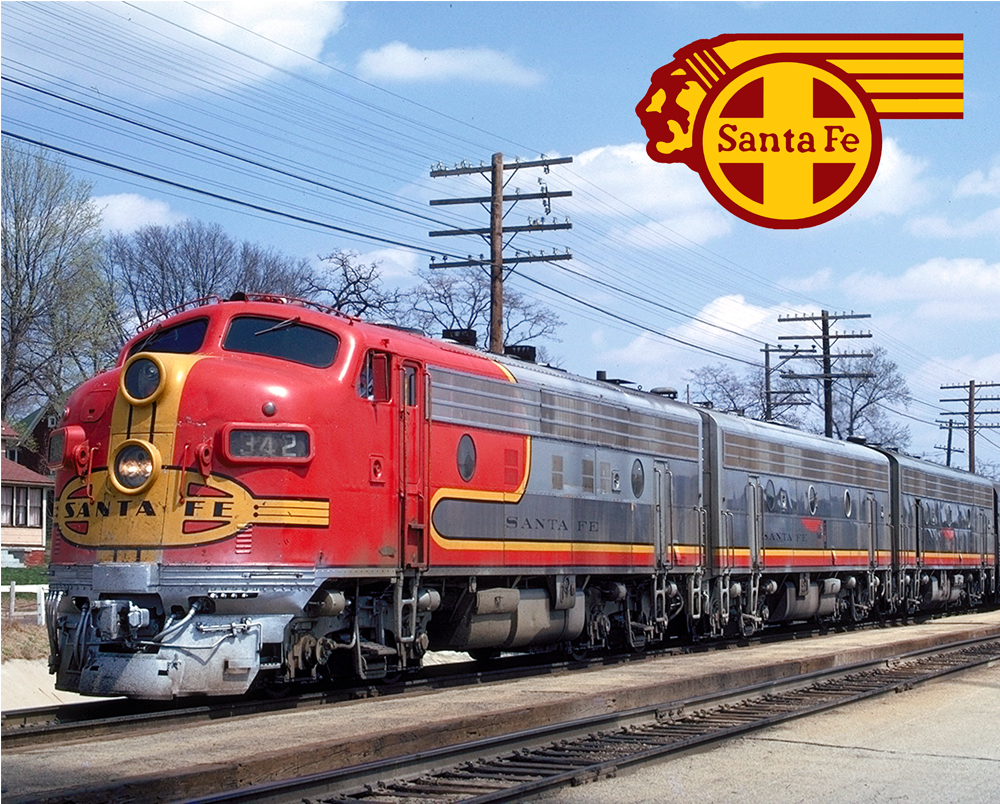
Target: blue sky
(366,97)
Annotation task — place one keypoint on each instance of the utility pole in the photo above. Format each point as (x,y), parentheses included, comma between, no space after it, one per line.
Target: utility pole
(970,400)
(827,338)
(495,233)
(950,427)
(769,394)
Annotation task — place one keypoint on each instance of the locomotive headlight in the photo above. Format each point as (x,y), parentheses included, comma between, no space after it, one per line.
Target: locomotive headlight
(136,465)
(142,379)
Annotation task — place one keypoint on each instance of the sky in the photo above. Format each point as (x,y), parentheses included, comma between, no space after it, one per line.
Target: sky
(312,127)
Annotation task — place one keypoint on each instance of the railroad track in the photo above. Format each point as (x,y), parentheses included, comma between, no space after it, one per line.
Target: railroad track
(66,723)
(517,766)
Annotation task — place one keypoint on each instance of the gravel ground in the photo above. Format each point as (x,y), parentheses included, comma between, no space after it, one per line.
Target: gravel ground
(935,743)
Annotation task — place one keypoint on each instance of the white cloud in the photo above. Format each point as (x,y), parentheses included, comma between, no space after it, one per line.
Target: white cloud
(979,183)
(626,174)
(898,186)
(964,289)
(301,27)
(275,36)
(654,360)
(623,180)
(394,264)
(815,282)
(397,61)
(987,224)
(697,226)
(127,212)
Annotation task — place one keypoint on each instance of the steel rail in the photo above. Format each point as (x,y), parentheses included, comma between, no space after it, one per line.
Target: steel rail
(66,723)
(517,766)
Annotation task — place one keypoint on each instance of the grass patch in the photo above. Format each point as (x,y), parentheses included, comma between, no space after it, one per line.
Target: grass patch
(19,640)
(24,575)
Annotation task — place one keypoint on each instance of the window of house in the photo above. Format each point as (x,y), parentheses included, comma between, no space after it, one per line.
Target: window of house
(34,508)
(7,516)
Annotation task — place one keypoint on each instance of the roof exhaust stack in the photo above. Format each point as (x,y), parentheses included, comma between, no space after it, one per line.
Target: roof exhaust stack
(521,352)
(602,376)
(464,337)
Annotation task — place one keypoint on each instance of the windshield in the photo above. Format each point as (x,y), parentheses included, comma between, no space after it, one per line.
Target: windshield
(286,338)
(181,339)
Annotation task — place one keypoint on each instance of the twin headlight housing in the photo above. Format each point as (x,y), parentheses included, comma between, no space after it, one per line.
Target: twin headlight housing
(136,462)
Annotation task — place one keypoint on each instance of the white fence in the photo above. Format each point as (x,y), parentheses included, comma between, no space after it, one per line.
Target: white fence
(39,611)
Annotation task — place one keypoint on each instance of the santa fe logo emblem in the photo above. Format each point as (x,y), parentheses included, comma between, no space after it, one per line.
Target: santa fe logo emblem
(785,131)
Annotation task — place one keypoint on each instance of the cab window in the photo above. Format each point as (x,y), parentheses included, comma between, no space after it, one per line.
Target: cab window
(373,381)
(286,339)
(183,339)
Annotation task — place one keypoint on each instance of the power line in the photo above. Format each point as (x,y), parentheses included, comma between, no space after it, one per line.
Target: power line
(635,324)
(220,151)
(218,196)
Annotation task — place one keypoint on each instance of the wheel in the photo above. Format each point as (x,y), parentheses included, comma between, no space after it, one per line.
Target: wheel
(484,654)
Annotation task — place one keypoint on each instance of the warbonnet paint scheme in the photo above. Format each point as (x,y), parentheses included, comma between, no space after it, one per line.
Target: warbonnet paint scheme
(263,491)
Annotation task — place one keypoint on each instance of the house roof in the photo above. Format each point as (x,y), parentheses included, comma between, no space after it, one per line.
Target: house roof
(14,473)
(30,422)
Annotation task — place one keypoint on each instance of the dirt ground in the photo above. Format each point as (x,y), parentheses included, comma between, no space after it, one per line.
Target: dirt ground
(19,640)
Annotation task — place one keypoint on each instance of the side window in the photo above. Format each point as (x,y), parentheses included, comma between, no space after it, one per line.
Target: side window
(373,381)
(557,472)
(409,386)
(605,477)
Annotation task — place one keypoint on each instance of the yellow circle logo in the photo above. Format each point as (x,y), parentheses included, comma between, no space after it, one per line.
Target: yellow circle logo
(787,144)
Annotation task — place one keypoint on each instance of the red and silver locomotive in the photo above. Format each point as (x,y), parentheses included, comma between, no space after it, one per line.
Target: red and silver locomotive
(263,491)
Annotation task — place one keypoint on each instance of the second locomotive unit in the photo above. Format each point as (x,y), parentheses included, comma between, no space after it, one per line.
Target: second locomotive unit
(262,491)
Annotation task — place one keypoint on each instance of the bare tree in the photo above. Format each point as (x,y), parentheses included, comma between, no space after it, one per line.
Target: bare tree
(746,395)
(353,287)
(724,390)
(460,299)
(57,311)
(157,268)
(990,469)
(859,404)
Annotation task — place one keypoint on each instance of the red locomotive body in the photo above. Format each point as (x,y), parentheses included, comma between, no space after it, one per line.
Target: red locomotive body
(263,491)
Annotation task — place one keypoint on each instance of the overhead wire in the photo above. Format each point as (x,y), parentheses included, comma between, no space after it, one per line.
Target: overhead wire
(589,250)
(210,194)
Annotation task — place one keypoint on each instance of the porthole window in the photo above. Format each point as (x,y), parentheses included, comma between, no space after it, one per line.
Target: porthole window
(848,504)
(466,457)
(769,496)
(813,499)
(783,500)
(638,478)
